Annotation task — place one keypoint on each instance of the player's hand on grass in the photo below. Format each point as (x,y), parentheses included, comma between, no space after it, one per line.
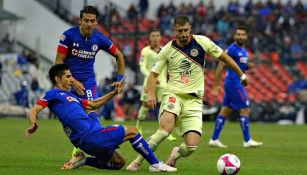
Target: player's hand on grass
(79,88)
(31,129)
(152,101)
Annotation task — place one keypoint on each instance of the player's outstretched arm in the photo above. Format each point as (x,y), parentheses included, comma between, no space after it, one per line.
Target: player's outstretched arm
(120,63)
(152,81)
(32,117)
(97,103)
(233,66)
(218,76)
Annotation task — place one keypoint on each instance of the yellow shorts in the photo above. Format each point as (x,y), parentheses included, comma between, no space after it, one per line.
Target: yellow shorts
(144,94)
(188,111)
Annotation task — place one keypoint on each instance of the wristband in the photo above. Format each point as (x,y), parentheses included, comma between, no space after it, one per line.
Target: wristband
(119,77)
(243,77)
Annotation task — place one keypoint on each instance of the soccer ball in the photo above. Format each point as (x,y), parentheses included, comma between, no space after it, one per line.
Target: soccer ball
(228,164)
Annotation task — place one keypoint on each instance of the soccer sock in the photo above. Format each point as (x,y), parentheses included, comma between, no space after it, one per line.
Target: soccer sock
(141,116)
(142,147)
(154,141)
(185,151)
(94,162)
(244,122)
(219,123)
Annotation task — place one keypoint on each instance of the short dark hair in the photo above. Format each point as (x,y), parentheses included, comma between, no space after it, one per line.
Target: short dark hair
(57,70)
(154,30)
(241,27)
(89,9)
(181,20)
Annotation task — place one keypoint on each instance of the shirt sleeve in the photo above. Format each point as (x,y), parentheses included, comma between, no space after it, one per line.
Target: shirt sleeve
(65,43)
(143,63)
(209,46)
(161,60)
(84,103)
(45,99)
(107,45)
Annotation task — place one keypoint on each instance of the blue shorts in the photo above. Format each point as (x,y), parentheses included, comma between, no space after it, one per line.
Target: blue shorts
(103,143)
(235,98)
(90,90)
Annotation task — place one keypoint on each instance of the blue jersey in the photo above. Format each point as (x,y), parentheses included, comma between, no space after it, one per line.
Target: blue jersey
(81,51)
(68,108)
(239,55)
(235,95)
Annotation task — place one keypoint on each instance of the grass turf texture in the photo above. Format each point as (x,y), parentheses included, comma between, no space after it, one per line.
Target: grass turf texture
(284,150)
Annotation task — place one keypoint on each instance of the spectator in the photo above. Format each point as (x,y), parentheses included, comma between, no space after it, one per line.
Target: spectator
(0,73)
(22,96)
(106,110)
(143,6)
(129,101)
(132,12)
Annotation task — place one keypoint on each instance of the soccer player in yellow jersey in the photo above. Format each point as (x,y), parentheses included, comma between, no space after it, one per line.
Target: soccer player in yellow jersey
(181,106)
(149,55)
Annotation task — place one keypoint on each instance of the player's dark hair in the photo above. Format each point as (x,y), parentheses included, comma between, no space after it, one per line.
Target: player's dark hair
(154,30)
(241,27)
(181,20)
(89,9)
(57,70)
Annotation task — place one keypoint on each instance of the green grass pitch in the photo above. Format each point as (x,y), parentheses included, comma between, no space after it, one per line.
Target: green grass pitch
(284,151)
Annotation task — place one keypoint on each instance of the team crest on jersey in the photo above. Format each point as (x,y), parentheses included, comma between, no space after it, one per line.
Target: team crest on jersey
(62,37)
(170,106)
(94,47)
(172,99)
(194,52)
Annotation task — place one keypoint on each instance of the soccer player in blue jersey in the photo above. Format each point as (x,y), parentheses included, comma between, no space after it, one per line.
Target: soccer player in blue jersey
(235,96)
(78,47)
(84,130)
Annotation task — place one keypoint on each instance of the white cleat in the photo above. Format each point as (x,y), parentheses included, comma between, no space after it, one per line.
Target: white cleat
(133,166)
(75,162)
(161,167)
(171,160)
(251,143)
(217,143)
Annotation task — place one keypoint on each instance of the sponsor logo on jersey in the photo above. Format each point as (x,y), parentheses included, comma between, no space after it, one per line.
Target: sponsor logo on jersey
(71,99)
(75,44)
(62,38)
(83,53)
(194,52)
(94,47)
(243,59)
(172,99)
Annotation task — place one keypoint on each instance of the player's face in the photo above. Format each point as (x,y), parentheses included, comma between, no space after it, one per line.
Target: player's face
(88,23)
(155,38)
(240,37)
(66,80)
(182,33)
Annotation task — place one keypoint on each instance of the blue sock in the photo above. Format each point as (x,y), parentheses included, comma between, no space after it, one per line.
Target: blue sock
(244,122)
(218,126)
(94,162)
(142,147)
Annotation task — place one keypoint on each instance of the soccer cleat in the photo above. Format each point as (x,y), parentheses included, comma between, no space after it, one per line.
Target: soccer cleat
(251,143)
(217,143)
(171,160)
(171,138)
(75,162)
(161,167)
(134,166)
